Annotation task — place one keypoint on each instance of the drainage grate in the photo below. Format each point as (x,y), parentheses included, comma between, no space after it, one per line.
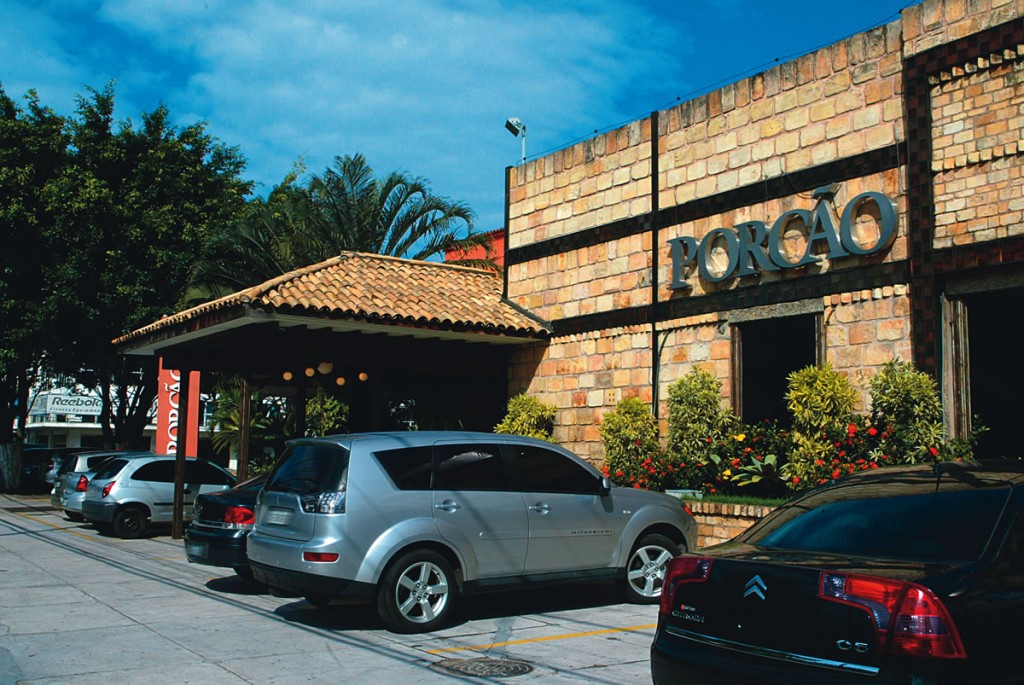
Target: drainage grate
(483,667)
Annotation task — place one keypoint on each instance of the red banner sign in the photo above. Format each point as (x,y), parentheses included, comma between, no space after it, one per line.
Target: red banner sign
(168,415)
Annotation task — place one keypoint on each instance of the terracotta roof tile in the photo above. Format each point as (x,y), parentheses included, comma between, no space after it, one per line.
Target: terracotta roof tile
(377,289)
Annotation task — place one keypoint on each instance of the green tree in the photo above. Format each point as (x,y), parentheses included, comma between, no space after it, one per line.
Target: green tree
(33,151)
(139,202)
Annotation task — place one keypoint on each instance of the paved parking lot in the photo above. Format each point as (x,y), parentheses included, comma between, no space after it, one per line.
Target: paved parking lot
(77,606)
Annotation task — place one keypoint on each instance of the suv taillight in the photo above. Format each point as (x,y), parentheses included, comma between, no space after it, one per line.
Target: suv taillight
(82,484)
(323,503)
(107,488)
(239,516)
(909,618)
(680,571)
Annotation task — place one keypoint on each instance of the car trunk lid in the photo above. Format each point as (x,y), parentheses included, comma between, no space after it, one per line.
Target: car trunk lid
(785,605)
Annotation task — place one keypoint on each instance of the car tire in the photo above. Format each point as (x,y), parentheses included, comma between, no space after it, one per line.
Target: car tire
(129,523)
(417,592)
(72,516)
(645,569)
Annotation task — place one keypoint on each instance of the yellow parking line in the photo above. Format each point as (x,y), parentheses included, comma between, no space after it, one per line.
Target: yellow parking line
(567,636)
(62,528)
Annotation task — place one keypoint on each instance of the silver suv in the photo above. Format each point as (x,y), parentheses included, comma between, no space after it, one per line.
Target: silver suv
(413,520)
(126,495)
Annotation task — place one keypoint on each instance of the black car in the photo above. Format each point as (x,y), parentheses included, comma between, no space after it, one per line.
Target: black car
(220,524)
(900,575)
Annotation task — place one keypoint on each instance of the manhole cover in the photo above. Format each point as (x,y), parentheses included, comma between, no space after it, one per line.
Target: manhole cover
(483,667)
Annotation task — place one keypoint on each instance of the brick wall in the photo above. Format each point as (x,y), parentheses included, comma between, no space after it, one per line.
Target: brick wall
(587,224)
(717,522)
(977,129)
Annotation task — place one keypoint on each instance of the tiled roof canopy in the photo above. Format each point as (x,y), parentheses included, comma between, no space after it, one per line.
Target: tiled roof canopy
(368,288)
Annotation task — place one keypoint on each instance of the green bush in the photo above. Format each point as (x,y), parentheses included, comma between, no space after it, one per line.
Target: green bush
(529,417)
(906,409)
(631,450)
(820,402)
(695,414)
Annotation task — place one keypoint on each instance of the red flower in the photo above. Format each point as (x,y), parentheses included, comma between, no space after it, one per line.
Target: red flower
(836,474)
(872,431)
(619,473)
(796,479)
(852,429)
(934,451)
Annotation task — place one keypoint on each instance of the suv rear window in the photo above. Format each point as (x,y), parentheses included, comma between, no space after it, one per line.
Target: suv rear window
(110,469)
(949,525)
(307,469)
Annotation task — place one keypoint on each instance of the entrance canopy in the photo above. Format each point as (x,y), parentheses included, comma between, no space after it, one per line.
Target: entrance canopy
(380,328)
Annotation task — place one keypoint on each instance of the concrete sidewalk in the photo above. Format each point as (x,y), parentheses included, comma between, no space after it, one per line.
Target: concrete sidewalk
(80,607)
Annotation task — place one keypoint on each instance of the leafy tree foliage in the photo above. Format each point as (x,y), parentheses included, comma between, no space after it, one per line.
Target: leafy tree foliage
(108,219)
(33,145)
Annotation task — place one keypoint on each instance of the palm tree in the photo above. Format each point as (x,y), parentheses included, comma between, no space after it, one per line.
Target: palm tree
(346,208)
(393,215)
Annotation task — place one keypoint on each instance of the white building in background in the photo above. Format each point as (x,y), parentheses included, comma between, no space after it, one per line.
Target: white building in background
(71,418)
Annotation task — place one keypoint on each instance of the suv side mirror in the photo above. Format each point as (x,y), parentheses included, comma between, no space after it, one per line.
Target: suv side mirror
(606,486)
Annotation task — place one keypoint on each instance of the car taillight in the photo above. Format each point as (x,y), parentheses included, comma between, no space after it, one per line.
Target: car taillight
(909,618)
(323,503)
(83,483)
(107,488)
(680,571)
(239,516)
(323,557)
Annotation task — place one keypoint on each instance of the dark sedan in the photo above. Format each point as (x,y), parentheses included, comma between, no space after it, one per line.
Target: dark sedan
(220,524)
(900,575)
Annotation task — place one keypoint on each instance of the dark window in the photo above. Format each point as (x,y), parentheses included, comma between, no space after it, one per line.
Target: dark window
(952,525)
(156,472)
(307,469)
(205,473)
(408,467)
(110,469)
(94,462)
(771,349)
(538,469)
(470,467)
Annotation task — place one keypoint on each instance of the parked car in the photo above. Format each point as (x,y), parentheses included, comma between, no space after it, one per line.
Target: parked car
(68,491)
(128,495)
(412,520)
(39,466)
(900,575)
(221,522)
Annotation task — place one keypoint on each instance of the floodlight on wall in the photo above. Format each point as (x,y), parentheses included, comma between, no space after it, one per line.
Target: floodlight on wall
(517,128)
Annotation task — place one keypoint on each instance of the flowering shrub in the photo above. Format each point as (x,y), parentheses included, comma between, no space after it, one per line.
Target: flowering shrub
(758,460)
(631,448)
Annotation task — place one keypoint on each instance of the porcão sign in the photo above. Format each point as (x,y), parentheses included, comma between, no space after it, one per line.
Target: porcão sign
(752,247)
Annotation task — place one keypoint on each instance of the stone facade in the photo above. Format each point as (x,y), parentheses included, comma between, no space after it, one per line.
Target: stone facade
(923,112)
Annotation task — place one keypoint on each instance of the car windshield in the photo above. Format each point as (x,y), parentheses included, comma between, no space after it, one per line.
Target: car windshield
(926,524)
(306,469)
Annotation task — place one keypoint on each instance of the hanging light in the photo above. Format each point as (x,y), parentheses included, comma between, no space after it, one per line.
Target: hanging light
(325,367)
(340,380)
(287,375)
(363,375)
(310,371)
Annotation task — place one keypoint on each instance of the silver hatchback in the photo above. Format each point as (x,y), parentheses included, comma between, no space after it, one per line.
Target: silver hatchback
(127,495)
(411,521)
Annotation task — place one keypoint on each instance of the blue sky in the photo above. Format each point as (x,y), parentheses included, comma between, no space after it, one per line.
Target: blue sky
(424,86)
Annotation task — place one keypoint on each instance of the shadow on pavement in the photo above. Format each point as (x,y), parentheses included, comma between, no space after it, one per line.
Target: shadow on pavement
(236,585)
(354,616)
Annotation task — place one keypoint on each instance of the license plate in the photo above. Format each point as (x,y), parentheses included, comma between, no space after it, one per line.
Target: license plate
(276,516)
(196,549)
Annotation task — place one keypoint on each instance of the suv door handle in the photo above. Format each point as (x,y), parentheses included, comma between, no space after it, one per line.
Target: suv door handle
(540,508)
(448,505)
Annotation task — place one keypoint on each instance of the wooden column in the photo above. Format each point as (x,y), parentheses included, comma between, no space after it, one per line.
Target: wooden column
(178,524)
